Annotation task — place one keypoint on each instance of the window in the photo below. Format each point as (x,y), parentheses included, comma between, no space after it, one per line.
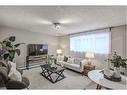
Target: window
(96,42)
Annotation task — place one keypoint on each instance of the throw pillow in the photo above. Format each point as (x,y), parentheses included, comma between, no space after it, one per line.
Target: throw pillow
(70,60)
(14,74)
(65,58)
(13,65)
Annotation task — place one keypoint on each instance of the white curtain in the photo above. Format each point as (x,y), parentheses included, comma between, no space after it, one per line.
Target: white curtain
(97,42)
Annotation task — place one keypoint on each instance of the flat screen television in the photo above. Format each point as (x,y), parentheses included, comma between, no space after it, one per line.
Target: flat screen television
(37,49)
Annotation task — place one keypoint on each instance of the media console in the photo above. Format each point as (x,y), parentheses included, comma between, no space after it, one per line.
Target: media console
(34,61)
(37,54)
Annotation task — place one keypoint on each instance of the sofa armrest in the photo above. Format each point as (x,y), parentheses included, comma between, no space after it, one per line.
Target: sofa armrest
(2,83)
(82,65)
(11,84)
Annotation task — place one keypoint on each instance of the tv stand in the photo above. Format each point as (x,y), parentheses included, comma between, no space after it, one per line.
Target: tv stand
(34,61)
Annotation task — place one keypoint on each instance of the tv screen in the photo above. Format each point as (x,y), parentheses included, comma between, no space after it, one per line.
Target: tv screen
(37,49)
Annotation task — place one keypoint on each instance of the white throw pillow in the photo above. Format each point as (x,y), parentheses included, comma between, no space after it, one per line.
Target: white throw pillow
(70,60)
(14,74)
(13,65)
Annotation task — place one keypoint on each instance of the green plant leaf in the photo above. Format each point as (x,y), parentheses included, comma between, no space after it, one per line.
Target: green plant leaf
(6,56)
(16,45)
(17,51)
(12,38)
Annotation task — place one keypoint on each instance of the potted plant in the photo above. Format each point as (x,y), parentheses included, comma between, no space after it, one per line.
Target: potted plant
(8,48)
(123,66)
(117,62)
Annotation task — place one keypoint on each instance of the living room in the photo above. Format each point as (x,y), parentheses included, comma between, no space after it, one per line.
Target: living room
(70,33)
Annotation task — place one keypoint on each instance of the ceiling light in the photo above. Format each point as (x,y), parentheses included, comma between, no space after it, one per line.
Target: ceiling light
(57,25)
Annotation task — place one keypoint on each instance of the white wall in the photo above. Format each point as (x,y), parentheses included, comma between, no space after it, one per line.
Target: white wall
(64,44)
(29,38)
(126,41)
(118,40)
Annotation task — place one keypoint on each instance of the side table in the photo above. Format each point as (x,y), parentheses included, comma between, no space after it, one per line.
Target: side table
(87,68)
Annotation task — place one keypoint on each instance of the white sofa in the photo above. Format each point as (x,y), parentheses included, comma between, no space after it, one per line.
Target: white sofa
(78,64)
(75,63)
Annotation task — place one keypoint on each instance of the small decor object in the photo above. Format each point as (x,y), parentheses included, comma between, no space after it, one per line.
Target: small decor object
(59,52)
(52,61)
(117,62)
(89,56)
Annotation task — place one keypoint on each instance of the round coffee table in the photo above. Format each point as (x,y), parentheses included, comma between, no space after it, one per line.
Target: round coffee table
(98,77)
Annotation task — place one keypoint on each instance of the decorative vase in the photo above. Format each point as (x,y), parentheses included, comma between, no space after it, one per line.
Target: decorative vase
(53,64)
(117,72)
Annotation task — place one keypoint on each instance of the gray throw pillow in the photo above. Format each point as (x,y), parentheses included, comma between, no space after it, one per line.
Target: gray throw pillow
(65,59)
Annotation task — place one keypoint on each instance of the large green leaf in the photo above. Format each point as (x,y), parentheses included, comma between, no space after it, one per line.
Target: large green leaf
(16,45)
(17,51)
(11,55)
(12,38)
(6,56)
(8,44)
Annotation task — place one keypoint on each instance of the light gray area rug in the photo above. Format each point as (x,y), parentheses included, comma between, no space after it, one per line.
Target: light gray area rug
(72,81)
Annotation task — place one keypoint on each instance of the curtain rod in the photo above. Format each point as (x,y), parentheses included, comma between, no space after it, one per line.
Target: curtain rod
(98,29)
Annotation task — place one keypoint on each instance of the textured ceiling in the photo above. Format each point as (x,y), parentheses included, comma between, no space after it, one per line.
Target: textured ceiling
(73,19)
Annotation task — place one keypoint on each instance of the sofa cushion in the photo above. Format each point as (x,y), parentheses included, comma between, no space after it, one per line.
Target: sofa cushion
(62,62)
(77,60)
(74,65)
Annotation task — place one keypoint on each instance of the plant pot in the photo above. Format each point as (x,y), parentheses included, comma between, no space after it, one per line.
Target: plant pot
(122,70)
(126,72)
(117,72)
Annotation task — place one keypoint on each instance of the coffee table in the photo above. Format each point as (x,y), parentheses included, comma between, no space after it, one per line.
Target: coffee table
(51,73)
(98,77)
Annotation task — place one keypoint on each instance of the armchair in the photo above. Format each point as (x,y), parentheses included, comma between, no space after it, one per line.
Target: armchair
(9,83)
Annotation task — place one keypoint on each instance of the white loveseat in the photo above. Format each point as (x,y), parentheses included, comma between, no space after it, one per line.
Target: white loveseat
(72,63)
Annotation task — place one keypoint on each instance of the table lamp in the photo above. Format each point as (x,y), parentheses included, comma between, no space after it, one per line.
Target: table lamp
(89,56)
(59,51)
